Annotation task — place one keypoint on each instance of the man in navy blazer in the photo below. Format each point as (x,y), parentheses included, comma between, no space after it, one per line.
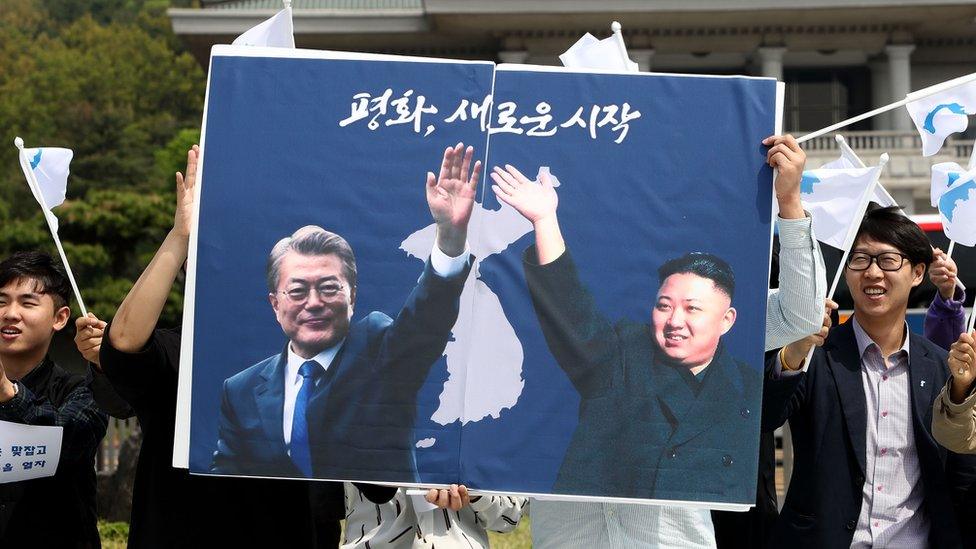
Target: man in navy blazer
(339,401)
(867,471)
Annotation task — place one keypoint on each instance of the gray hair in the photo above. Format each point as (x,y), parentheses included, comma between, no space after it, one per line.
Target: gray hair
(312,240)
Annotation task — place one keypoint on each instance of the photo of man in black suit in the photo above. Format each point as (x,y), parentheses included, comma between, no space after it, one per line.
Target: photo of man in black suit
(665,412)
(339,400)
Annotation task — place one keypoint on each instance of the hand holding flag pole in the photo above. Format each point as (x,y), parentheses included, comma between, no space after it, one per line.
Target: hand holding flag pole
(52,221)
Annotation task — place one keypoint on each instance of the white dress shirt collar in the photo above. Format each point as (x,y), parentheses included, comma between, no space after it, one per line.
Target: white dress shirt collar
(295,362)
(864,340)
(293,383)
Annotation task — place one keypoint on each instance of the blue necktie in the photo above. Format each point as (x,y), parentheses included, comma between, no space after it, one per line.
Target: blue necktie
(299,426)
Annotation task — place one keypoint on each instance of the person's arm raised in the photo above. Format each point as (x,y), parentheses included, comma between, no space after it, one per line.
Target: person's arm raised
(140,310)
(792,357)
(450,197)
(787,158)
(942,273)
(537,203)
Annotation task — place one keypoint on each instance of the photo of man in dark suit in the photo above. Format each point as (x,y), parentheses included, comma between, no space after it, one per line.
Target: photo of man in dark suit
(339,400)
(665,412)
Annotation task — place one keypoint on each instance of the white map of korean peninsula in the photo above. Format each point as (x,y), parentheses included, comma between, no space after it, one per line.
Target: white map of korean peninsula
(484,360)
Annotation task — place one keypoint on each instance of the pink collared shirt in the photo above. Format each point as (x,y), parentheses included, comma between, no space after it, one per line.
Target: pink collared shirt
(892,513)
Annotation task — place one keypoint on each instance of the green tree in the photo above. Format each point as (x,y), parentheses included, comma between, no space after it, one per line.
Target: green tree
(107,79)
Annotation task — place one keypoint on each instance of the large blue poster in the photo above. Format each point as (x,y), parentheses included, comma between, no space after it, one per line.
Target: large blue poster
(338,329)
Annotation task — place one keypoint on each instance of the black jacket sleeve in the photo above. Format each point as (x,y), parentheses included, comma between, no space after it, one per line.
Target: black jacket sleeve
(582,341)
(137,377)
(784,395)
(105,395)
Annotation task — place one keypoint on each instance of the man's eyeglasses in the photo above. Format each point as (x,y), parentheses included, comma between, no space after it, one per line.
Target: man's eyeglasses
(887,261)
(326,291)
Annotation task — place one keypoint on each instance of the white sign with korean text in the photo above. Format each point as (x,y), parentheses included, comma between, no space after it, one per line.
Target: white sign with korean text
(28,451)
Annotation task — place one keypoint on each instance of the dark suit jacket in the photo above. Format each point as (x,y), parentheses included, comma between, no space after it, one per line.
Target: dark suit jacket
(646,428)
(361,413)
(828,420)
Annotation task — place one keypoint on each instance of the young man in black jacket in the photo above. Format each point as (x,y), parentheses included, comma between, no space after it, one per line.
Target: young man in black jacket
(56,511)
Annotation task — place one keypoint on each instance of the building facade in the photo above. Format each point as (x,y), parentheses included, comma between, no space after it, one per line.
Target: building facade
(839,58)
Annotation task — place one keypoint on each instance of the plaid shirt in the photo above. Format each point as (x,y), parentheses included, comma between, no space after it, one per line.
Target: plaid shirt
(50,396)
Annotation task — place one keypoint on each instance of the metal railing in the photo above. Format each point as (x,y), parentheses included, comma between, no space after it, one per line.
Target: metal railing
(888,141)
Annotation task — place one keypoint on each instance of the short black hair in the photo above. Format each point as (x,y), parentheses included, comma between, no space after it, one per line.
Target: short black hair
(48,276)
(890,226)
(705,265)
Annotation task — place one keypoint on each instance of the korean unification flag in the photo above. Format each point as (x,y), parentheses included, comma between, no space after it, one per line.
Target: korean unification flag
(957,206)
(276,32)
(590,53)
(834,198)
(848,160)
(944,176)
(943,113)
(50,167)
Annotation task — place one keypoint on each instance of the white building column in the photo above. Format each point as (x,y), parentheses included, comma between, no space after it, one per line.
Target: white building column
(771,62)
(510,56)
(900,80)
(643,57)
(880,94)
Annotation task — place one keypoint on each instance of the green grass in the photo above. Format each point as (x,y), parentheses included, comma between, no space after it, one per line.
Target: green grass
(520,538)
(113,534)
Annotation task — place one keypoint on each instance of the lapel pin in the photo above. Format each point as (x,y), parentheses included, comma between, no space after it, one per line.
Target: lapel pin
(922,383)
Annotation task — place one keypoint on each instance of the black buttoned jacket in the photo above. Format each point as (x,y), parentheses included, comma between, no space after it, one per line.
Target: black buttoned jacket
(647,428)
(826,407)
